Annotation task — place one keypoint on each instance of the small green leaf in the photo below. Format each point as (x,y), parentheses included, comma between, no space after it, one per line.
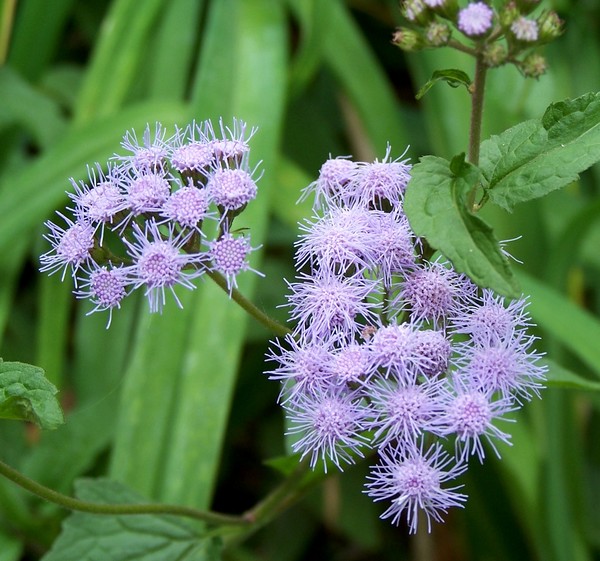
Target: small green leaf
(436,205)
(452,76)
(560,377)
(26,394)
(541,155)
(143,537)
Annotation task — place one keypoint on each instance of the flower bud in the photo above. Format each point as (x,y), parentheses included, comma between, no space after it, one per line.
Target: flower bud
(437,34)
(407,39)
(416,12)
(525,30)
(550,27)
(533,65)
(494,55)
(508,14)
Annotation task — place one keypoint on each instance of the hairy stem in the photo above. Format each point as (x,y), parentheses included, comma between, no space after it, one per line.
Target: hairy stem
(254,311)
(72,503)
(477,94)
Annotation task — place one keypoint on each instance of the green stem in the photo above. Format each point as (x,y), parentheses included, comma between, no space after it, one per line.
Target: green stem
(271,324)
(477,94)
(115,509)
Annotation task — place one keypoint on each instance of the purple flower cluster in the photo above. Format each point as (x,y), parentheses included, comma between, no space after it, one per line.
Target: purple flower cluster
(157,217)
(392,352)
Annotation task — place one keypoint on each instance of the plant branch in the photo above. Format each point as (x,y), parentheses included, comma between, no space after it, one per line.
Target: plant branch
(72,503)
(271,324)
(477,95)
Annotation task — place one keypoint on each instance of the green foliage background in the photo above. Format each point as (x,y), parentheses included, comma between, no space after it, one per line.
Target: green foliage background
(176,406)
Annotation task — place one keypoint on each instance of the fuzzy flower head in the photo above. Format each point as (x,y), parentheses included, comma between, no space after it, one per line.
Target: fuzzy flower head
(507,367)
(327,306)
(403,411)
(149,154)
(492,320)
(231,189)
(188,206)
(160,264)
(469,415)
(351,364)
(475,19)
(304,367)
(411,480)
(434,291)
(229,256)
(147,192)
(105,287)
(525,29)
(378,183)
(335,177)
(435,351)
(343,238)
(329,424)
(71,246)
(231,147)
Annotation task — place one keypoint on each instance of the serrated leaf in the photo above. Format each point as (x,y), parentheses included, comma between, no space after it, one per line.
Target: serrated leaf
(436,206)
(541,155)
(452,76)
(26,395)
(144,537)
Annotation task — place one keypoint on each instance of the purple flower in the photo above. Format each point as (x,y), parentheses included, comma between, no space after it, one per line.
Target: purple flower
(433,291)
(525,29)
(491,320)
(394,252)
(411,479)
(475,19)
(333,184)
(231,189)
(378,182)
(403,411)
(304,367)
(327,306)
(147,192)
(469,415)
(192,157)
(105,287)
(352,364)
(148,155)
(435,351)
(229,256)
(159,263)
(394,349)
(71,246)
(343,238)
(101,199)
(188,206)
(330,423)
(232,146)
(505,366)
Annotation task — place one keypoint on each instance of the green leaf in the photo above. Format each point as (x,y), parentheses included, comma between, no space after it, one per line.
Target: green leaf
(92,537)
(560,377)
(10,548)
(452,76)
(436,205)
(539,156)
(25,394)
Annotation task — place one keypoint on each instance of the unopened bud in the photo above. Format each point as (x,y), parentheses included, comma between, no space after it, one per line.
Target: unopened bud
(525,30)
(416,11)
(533,65)
(494,55)
(407,39)
(508,14)
(550,26)
(437,34)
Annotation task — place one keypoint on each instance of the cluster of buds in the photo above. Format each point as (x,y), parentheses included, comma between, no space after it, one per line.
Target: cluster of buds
(392,352)
(157,217)
(501,36)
